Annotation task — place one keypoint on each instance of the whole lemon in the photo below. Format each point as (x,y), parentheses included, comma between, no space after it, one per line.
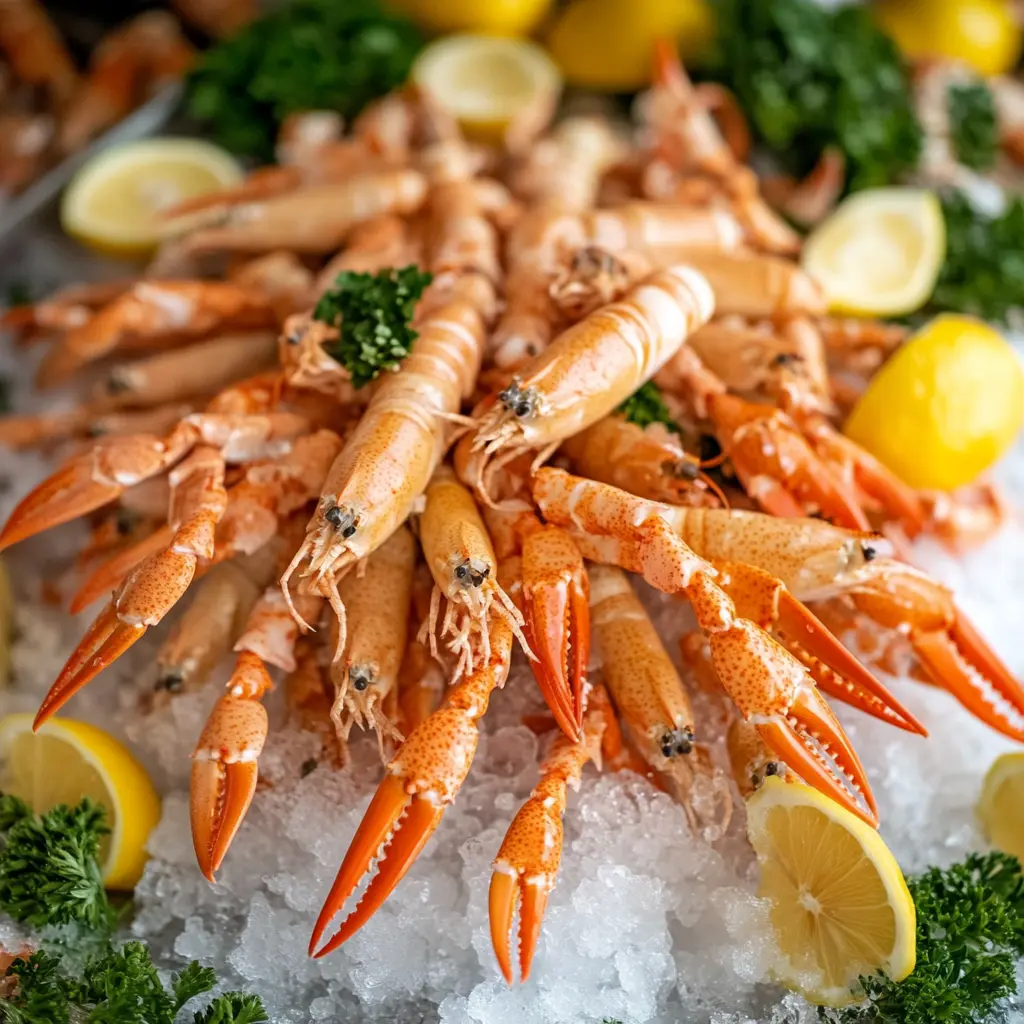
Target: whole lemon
(945,407)
(982,33)
(607,44)
(494,17)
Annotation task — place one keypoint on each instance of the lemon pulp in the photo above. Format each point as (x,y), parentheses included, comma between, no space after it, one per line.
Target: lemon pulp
(68,760)
(1001,807)
(840,907)
(879,253)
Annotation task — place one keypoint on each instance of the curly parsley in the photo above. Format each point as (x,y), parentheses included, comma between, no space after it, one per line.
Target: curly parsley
(120,986)
(646,406)
(970,932)
(48,869)
(973,125)
(809,78)
(983,273)
(307,55)
(372,313)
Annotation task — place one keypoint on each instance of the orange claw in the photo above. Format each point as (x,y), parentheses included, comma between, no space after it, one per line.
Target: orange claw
(224,766)
(67,494)
(556,597)
(811,741)
(763,599)
(104,642)
(530,854)
(422,779)
(952,651)
(111,574)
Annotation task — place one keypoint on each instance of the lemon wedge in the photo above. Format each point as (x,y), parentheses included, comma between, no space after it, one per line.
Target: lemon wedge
(945,407)
(68,760)
(113,204)
(499,17)
(880,252)
(1001,807)
(840,907)
(489,83)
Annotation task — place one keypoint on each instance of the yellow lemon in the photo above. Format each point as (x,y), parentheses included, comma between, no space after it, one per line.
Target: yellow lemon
(607,44)
(487,82)
(114,202)
(945,407)
(1001,807)
(68,760)
(879,253)
(495,17)
(840,907)
(982,33)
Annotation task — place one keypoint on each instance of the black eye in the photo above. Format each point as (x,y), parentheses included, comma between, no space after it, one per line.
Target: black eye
(333,515)
(461,571)
(522,409)
(172,682)
(771,768)
(348,531)
(868,552)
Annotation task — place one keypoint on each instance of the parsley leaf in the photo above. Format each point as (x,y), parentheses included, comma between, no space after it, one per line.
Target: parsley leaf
(234,1008)
(646,406)
(36,995)
(193,981)
(983,273)
(973,125)
(810,78)
(48,869)
(372,313)
(970,931)
(308,55)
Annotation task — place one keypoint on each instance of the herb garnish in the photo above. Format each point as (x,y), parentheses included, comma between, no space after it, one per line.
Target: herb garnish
(118,987)
(372,313)
(970,932)
(48,869)
(646,406)
(973,125)
(308,55)
(983,273)
(809,78)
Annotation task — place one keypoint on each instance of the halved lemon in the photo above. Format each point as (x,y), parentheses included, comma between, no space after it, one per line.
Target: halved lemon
(880,252)
(1001,807)
(114,202)
(68,760)
(840,907)
(489,83)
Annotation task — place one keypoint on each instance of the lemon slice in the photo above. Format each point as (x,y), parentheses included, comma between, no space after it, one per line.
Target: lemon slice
(488,83)
(840,907)
(68,760)
(880,252)
(945,407)
(113,203)
(1001,807)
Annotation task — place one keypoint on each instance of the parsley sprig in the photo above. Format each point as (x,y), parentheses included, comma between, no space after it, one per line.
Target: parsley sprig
(809,78)
(121,986)
(983,273)
(307,55)
(646,406)
(48,865)
(970,932)
(372,313)
(973,124)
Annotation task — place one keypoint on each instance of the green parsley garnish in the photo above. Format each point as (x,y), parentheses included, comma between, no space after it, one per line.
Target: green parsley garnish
(372,313)
(48,869)
(120,986)
(809,78)
(307,55)
(646,406)
(970,933)
(973,125)
(983,273)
